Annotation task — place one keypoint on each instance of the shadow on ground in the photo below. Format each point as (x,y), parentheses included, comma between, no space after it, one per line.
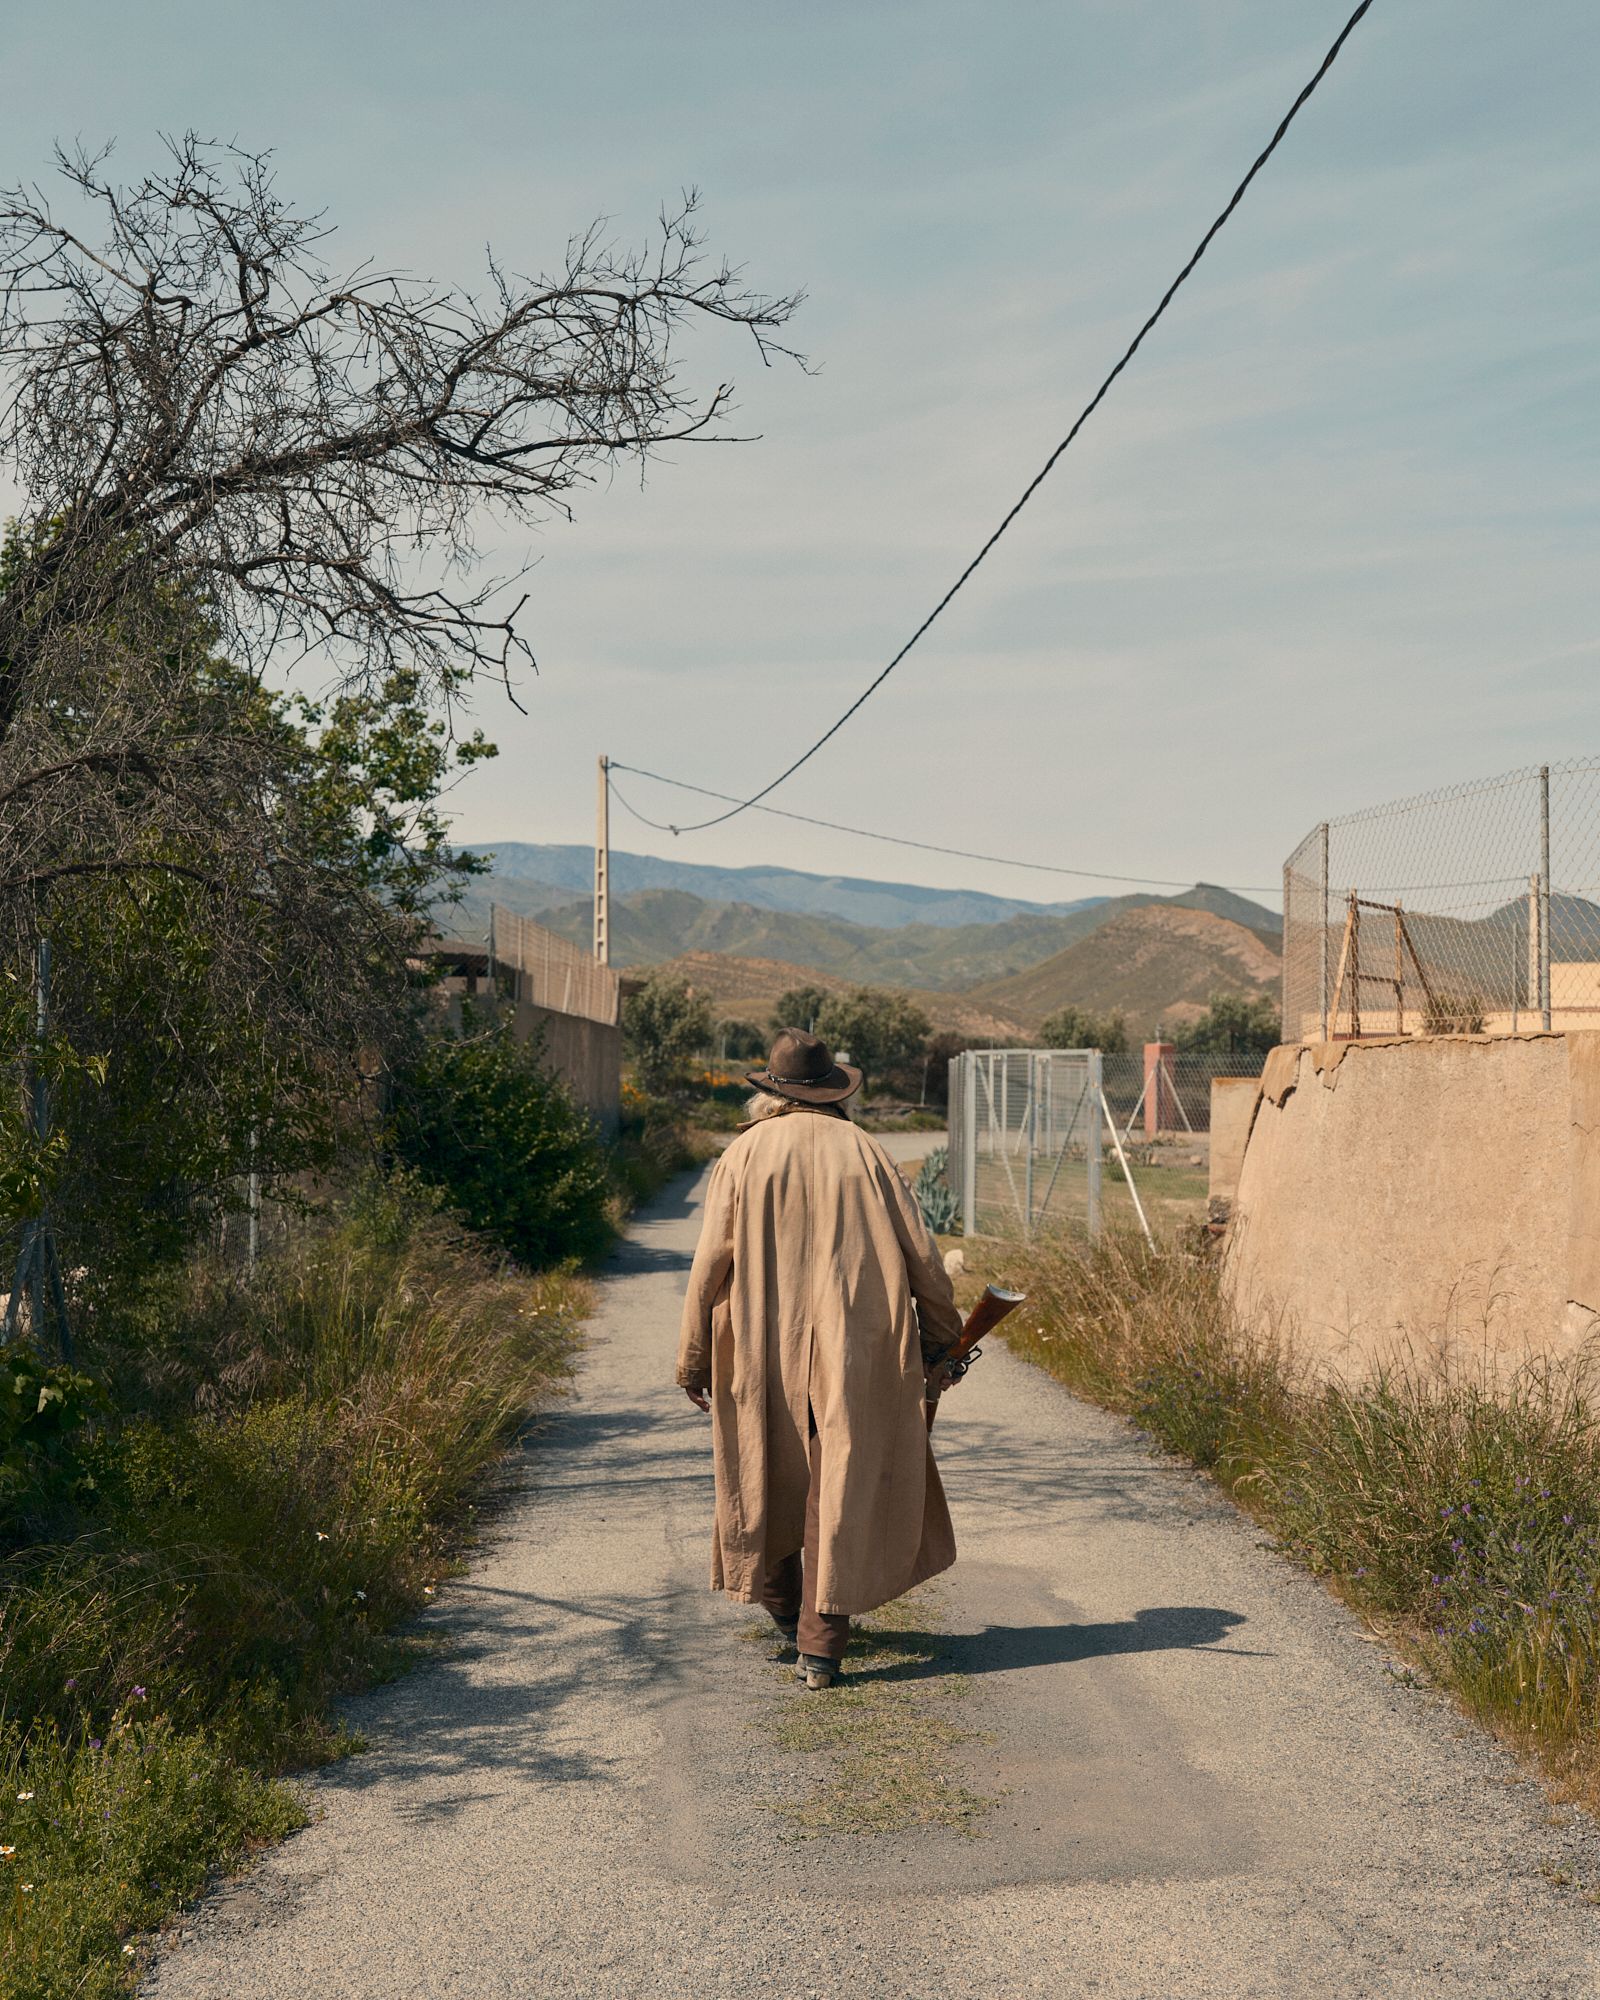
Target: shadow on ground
(1000,1649)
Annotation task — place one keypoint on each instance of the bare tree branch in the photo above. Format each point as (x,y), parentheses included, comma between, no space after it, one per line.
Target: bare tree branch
(189,388)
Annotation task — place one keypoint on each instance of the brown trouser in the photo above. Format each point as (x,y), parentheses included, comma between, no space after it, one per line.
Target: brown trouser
(790,1590)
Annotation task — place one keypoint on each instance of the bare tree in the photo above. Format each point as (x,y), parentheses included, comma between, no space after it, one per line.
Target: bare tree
(311,456)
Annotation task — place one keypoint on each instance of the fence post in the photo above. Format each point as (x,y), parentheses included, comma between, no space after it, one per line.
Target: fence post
(1094,1098)
(1322,951)
(969,1144)
(1033,1139)
(1156,1087)
(1544,897)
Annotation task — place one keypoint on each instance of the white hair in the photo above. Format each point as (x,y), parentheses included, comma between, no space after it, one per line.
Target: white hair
(763,1105)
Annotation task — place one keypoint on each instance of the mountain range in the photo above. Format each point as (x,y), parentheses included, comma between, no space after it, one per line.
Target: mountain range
(985,964)
(856,899)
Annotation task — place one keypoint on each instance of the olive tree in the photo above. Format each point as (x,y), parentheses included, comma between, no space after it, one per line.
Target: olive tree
(664,1024)
(881,1030)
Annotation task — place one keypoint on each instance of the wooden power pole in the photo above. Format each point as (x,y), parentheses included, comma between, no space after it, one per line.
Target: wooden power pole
(602,868)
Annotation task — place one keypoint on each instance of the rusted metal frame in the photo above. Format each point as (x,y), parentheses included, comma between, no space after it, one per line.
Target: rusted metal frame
(1350,923)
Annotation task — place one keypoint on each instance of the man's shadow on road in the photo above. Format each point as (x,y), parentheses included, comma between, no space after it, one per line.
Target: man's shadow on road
(1000,1649)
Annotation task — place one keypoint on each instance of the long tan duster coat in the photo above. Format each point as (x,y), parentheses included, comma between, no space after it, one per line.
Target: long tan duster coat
(801,1300)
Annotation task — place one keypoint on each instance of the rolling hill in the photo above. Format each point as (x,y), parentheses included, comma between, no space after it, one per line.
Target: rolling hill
(1160,962)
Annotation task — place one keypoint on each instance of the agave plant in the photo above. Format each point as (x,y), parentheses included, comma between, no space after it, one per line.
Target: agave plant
(932,1190)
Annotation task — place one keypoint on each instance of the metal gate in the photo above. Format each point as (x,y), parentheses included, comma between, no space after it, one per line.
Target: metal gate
(1025,1139)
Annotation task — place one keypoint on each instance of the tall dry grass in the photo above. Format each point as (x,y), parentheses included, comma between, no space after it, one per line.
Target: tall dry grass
(1458,1506)
(295,1461)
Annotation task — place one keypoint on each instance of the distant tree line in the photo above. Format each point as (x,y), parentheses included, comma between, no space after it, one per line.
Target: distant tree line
(667,1026)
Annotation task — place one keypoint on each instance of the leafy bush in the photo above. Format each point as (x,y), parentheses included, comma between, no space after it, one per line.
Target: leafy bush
(481,1120)
(653,1144)
(799,1007)
(1232,1025)
(111,1833)
(934,1195)
(1081,1028)
(663,1025)
(44,1409)
(881,1030)
(741,1041)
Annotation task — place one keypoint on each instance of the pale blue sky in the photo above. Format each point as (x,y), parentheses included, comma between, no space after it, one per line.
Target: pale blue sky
(1332,538)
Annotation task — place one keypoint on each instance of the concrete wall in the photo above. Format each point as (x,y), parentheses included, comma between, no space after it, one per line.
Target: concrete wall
(1233,1111)
(1432,1194)
(587,1055)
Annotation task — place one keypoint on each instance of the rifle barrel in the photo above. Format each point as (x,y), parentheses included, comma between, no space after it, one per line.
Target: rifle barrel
(984,1316)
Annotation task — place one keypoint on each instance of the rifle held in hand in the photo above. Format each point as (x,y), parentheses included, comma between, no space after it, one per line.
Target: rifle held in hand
(959,1356)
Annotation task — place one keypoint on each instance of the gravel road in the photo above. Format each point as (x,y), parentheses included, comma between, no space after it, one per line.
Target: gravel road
(1209,1783)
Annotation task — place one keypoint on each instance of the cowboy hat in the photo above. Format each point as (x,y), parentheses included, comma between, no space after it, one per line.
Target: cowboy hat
(802,1067)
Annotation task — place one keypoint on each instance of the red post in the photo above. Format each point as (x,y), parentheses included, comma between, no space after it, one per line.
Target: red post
(1160,1112)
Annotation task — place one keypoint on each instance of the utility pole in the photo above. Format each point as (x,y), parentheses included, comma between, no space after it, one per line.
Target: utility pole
(1544,897)
(602,868)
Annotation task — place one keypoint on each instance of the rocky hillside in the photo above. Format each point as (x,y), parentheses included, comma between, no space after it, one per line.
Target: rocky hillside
(1156,963)
(1153,957)
(650,925)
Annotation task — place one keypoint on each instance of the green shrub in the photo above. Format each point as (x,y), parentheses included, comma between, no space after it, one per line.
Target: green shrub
(653,1144)
(44,1411)
(1081,1028)
(480,1119)
(664,1024)
(110,1833)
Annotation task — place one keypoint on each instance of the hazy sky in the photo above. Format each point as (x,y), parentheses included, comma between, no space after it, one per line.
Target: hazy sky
(1331,539)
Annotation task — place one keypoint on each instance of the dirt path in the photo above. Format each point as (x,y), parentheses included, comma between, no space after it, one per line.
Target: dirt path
(1206,1782)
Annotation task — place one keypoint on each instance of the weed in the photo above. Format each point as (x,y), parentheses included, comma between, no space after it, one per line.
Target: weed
(291,1460)
(886,1731)
(1461,1511)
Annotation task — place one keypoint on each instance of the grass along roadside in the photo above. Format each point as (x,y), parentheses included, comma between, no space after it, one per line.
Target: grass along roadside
(885,1737)
(291,1473)
(1461,1516)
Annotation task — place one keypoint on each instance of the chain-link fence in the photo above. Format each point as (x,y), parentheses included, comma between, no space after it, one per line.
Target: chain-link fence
(1475,909)
(1025,1139)
(552,973)
(1170,1095)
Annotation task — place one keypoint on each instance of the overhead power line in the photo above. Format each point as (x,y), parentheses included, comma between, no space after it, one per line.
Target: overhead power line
(743,805)
(925,846)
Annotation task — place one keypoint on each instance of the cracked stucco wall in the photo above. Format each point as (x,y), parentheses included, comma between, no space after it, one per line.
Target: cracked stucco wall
(1430,1195)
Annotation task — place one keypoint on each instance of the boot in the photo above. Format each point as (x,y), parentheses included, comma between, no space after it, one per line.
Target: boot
(818,1673)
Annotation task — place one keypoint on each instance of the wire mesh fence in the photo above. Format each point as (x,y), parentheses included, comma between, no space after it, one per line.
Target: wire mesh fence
(1039,1144)
(552,973)
(1470,910)
(1167,1096)
(1025,1140)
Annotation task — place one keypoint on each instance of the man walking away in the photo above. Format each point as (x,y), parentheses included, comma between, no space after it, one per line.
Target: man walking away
(801,1336)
